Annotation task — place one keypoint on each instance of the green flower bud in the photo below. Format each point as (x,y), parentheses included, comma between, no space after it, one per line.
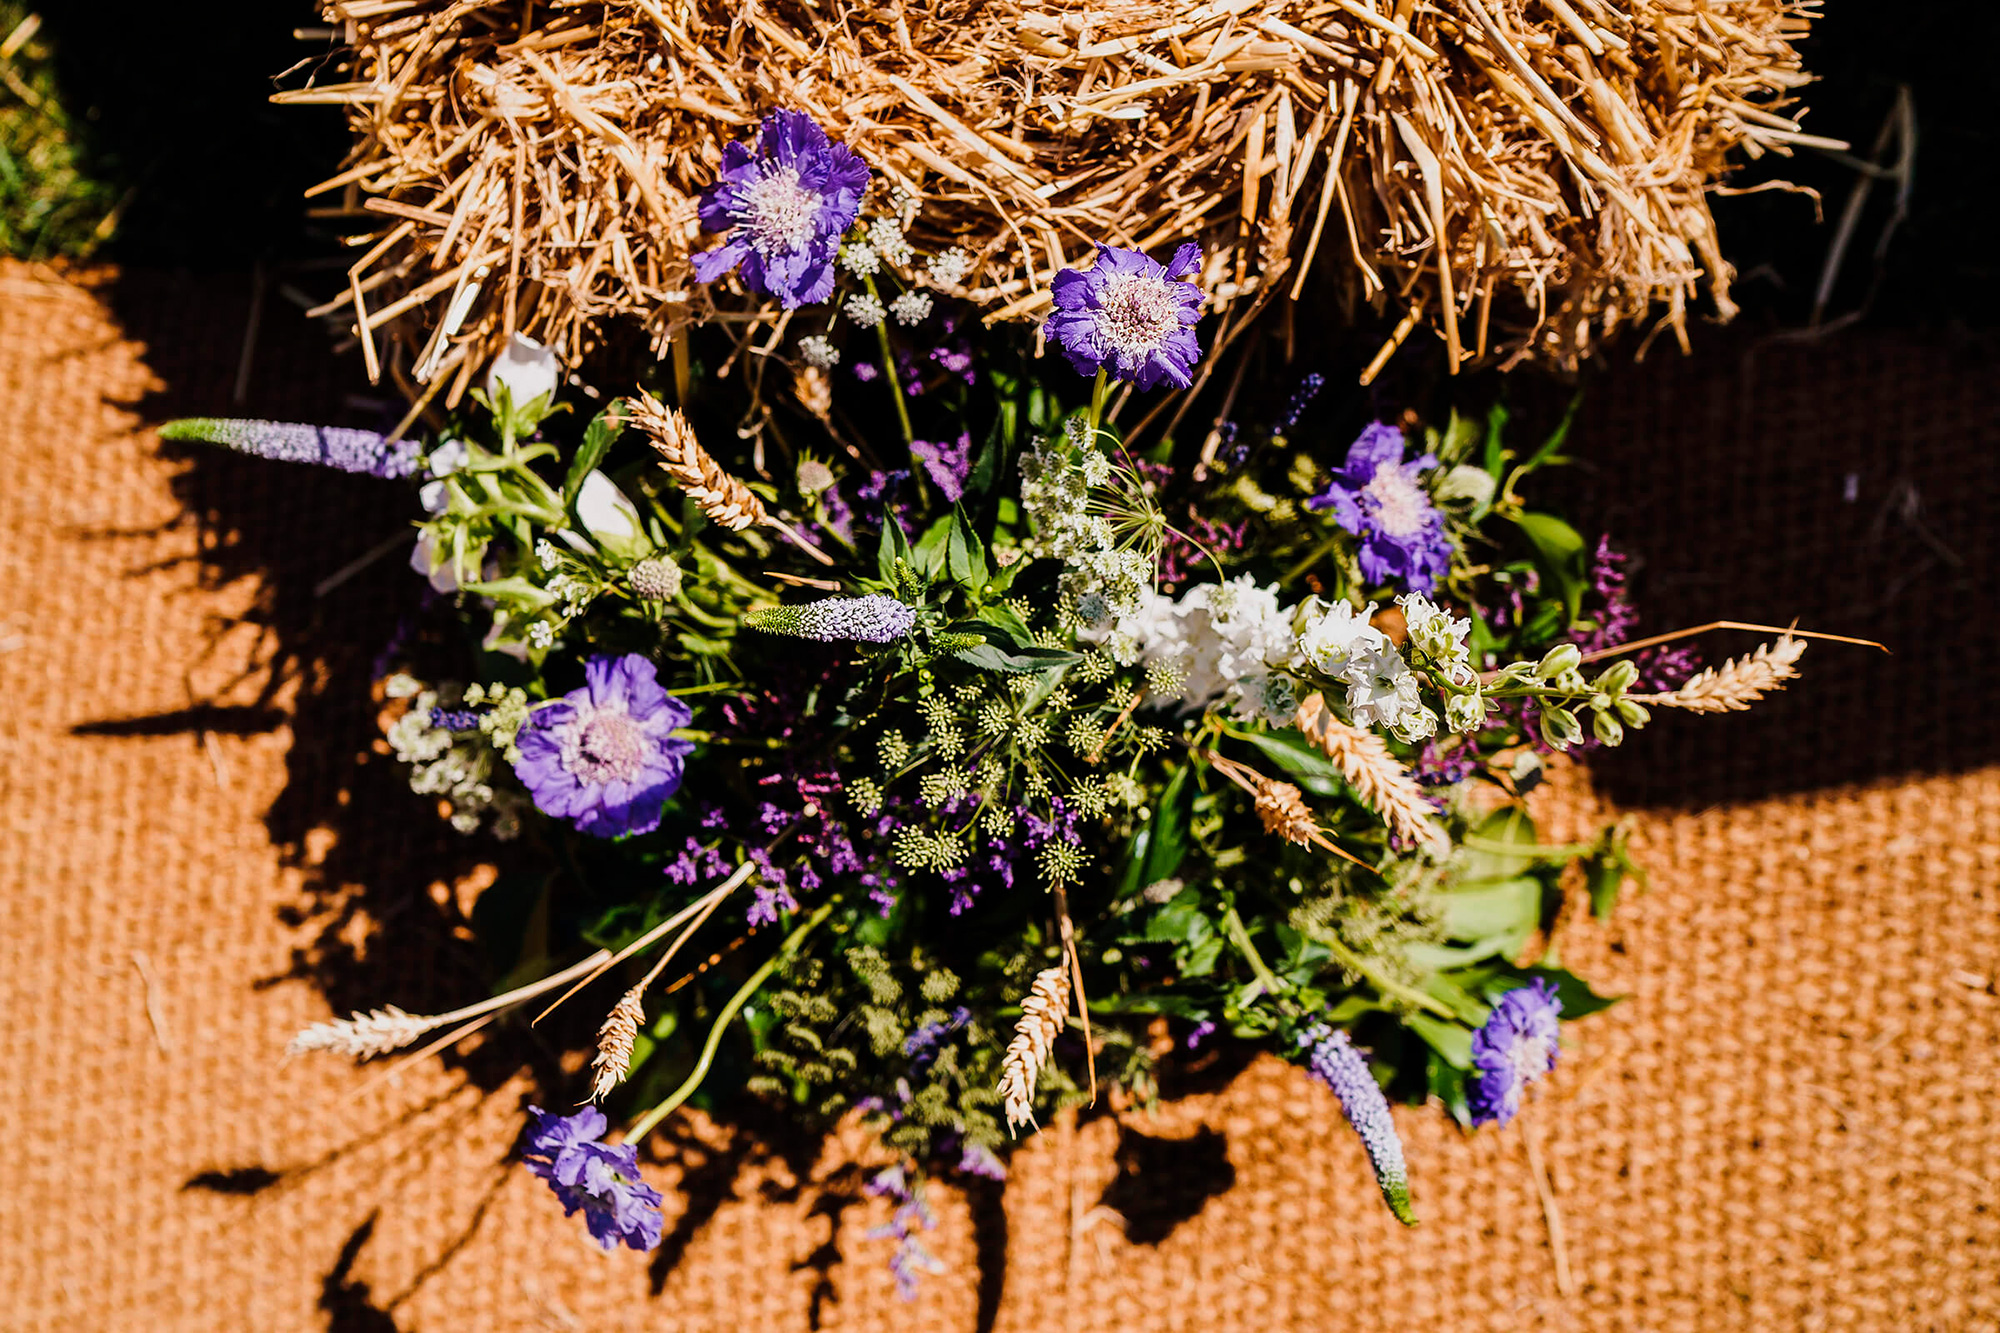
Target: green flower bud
(1635,714)
(1605,723)
(1619,678)
(1560,727)
(1563,657)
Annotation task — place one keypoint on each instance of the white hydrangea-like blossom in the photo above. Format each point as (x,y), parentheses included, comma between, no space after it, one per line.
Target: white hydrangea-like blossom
(1230,641)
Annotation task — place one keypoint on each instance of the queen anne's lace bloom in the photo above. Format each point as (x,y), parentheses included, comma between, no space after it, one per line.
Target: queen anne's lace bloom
(784,206)
(604,757)
(598,1178)
(1129,315)
(1516,1045)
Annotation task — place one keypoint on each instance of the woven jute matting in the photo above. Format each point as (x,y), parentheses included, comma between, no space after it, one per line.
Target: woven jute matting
(1789,1124)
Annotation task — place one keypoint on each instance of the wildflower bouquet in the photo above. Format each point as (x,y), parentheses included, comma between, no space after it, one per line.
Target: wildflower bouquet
(910,728)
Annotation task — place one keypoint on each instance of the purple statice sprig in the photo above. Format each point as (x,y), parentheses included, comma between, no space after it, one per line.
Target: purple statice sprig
(1331,1058)
(1383,500)
(600,1179)
(782,203)
(345,450)
(1516,1045)
(912,1214)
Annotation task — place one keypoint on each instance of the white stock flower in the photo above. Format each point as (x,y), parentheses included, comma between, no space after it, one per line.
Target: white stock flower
(1437,635)
(1230,639)
(607,516)
(527,369)
(447,458)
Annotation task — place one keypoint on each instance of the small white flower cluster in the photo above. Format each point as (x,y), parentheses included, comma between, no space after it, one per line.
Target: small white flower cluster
(912,307)
(1440,637)
(865,309)
(948,268)
(1227,641)
(860,259)
(818,350)
(457,767)
(574,593)
(1337,641)
(1057,477)
(885,234)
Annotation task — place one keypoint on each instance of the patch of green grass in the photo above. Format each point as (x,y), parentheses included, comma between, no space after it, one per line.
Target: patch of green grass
(50,204)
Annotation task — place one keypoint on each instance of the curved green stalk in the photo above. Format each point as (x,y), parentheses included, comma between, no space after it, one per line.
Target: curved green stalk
(646,1123)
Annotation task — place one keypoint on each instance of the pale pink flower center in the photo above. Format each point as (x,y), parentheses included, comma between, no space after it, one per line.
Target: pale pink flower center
(609,746)
(1399,501)
(779,213)
(1136,312)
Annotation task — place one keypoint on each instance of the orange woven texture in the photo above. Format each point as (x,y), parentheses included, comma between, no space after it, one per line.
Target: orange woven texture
(1788,1125)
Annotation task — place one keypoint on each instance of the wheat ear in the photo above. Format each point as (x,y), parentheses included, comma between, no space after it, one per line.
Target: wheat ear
(376,1032)
(1737,683)
(1042,1016)
(614,1044)
(1373,773)
(727,501)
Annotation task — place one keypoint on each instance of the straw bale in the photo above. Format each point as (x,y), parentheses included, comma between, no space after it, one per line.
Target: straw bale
(535,166)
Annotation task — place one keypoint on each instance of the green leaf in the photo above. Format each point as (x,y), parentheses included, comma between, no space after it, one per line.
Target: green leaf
(1496,451)
(598,437)
(893,546)
(1510,908)
(1447,1084)
(1157,849)
(1578,999)
(1509,826)
(1606,869)
(1302,761)
(988,657)
(1559,555)
(1547,454)
(930,553)
(1449,1040)
(1006,618)
(965,556)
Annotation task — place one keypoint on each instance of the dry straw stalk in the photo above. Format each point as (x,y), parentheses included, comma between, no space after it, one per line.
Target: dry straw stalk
(1525,176)
(727,502)
(1737,683)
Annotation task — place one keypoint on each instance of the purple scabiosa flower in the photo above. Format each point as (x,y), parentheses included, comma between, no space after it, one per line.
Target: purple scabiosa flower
(1130,316)
(1332,1059)
(604,757)
(1515,1046)
(598,1178)
(870,619)
(336,447)
(784,205)
(1382,499)
(947,464)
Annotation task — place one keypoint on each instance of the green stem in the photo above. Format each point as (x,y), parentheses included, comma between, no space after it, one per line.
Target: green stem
(1240,937)
(1100,393)
(889,369)
(1354,963)
(736,1002)
(1317,554)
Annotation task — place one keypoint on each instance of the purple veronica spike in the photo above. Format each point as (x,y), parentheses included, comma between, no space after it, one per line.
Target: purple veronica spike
(604,757)
(1382,500)
(870,619)
(338,447)
(1332,1059)
(598,1178)
(1130,316)
(783,207)
(1516,1045)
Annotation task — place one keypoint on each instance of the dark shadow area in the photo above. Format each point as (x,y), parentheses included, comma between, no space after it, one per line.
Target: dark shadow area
(1162,1182)
(242,1181)
(988,1202)
(346,1301)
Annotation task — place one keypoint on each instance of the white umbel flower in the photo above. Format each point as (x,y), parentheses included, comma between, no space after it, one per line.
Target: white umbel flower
(864,309)
(912,307)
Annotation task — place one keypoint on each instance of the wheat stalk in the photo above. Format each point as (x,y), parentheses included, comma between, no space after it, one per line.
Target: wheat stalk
(376,1032)
(1737,683)
(1042,1016)
(614,1044)
(727,501)
(1281,806)
(1377,779)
